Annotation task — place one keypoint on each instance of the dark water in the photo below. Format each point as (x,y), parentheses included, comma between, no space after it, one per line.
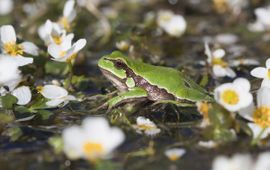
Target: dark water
(29,148)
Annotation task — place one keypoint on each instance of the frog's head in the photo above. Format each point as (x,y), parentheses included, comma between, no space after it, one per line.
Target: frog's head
(113,67)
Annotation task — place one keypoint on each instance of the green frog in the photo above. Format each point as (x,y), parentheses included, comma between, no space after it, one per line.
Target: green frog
(137,80)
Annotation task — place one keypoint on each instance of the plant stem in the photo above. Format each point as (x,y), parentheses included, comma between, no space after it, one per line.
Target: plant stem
(256,140)
(68,84)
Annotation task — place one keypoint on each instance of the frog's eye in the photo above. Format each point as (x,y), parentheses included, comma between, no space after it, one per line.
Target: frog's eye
(119,64)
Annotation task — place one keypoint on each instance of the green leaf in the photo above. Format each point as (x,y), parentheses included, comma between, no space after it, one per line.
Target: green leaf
(44,114)
(57,143)
(14,133)
(56,68)
(220,117)
(22,109)
(5,118)
(107,165)
(80,82)
(8,101)
(224,135)
(40,103)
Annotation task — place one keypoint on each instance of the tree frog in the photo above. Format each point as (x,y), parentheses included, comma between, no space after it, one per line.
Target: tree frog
(137,80)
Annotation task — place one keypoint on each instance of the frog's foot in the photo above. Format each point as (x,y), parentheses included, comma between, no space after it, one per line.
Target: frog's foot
(133,94)
(178,103)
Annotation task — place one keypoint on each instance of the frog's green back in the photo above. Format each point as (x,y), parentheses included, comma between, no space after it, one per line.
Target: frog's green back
(172,80)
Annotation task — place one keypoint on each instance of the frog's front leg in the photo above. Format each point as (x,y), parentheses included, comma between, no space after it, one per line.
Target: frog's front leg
(133,93)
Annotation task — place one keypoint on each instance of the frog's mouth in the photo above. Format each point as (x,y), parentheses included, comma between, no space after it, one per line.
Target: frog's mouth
(116,81)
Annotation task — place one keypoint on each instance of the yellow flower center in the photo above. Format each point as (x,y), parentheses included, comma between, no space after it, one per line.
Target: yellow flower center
(63,53)
(268,73)
(13,49)
(64,22)
(72,57)
(92,150)
(221,6)
(230,97)
(173,157)
(146,127)
(57,39)
(203,108)
(39,88)
(219,61)
(261,116)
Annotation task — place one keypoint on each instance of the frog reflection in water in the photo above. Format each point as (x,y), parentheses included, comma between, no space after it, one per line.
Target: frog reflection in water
(138,80)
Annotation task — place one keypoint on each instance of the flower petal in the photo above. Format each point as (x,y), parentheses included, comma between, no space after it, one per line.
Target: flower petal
(54,102)
(30,48)
(53,92)
(67,41)
(265,83)
(73,138)
(23,94)
(219,71)
(208,52)
(219,53)
(247,112)
(256,130)
(79,45)
(263,162)
(259,72)
(263,96)
(55,51)
(267,63)
(22,61)
(68,8)
(242,83)
(230,73)
(7,34)
(6,6)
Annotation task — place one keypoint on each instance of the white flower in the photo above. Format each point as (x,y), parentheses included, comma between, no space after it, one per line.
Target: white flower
(11,48)
(226,38)
(237,162)
(95,139)
(56,95)
(69,15)
(10,75)
(66,52)
(208,144)
(262,23)
(234,96)
(175,153)
(174,25)
(51,32)
(146,126)
(23,94)
(6,6)
(263,162)
(260,115)
(237,5)
(234,6)
(263,73)
(122,45)
(219,66)
(84,3)
(244,62)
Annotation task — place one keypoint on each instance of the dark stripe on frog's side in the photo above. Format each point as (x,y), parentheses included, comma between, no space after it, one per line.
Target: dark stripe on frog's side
(154,93)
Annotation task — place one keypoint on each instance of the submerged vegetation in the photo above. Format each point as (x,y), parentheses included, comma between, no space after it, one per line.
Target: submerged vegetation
(135,84)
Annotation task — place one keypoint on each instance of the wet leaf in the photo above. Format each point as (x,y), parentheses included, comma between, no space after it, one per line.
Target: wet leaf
(8,101)
(44,114)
